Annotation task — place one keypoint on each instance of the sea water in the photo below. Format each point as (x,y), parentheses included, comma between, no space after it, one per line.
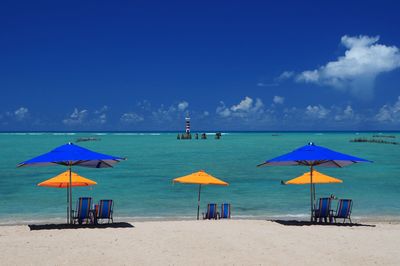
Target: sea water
(142,186)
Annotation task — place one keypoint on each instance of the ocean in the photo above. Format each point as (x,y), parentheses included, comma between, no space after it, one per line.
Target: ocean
(142,187)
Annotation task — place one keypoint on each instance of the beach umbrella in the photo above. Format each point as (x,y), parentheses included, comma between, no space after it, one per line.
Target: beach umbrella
(317,178)
(312,155)
(72,155)
(62,181)
(200,178)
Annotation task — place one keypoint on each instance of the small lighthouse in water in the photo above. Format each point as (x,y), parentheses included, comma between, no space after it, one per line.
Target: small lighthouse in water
(187,134)
(187,121)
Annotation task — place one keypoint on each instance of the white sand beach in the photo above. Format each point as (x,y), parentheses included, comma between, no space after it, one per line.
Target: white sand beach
(223,242)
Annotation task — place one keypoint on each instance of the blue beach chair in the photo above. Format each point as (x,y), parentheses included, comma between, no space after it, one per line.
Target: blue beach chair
(212,212)
(324,210)
(105,210)
(225,211)
(82,212)
(343,210)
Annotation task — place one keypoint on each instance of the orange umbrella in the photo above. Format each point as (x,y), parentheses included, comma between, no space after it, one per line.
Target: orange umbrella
(200,178)
(317,178)
(63,181)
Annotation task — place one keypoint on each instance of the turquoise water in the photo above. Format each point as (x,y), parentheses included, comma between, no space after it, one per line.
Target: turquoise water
(142,185)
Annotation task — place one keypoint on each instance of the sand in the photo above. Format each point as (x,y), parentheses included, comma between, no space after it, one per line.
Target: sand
(223,242)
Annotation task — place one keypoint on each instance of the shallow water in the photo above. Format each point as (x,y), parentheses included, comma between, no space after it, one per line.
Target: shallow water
(142,185)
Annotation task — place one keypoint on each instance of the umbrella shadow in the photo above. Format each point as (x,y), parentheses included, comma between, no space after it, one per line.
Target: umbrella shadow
(308,223)
(34,227)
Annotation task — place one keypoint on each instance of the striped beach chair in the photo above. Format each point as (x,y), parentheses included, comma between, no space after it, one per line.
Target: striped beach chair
(82,212)
(343,210)
(324,210)
(105,210)
(212,212)
(225,211)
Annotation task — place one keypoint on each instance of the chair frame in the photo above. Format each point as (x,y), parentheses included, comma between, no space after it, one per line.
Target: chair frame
(110,216)
(207,214)
(328,216)
(221,216)
(77,214)
(348,216)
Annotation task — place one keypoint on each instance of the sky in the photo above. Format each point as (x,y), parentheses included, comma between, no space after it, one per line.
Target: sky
(230,65)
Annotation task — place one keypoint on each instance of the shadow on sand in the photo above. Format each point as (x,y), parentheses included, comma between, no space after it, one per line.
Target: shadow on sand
(77,226)
(308,223)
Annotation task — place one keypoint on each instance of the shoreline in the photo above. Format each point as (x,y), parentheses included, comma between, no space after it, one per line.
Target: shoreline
(370,219)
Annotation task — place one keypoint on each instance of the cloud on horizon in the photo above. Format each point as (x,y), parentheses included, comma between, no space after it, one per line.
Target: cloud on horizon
(356,71)
(247,114)
(244,109)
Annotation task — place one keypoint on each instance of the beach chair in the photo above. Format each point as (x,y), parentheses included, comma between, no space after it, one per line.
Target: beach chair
(225,211)
(82,212)
(324,210)
(343,210)
(105,210)
(212,212)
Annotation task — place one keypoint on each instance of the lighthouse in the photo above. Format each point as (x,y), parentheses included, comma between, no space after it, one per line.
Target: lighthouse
(187,121)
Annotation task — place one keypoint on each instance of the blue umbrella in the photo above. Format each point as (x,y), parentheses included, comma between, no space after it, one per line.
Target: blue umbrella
(312,155)
(71,155)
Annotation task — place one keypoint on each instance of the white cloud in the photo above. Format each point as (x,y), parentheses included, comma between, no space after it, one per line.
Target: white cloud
(317,111)
(130,118)
(262,84)
(183,105)
(389,113)
(346,114)
(102,110)
(21,113)
(357,70)
(244,105)
(285,75)
(278,99)
(244,109)
(76,118)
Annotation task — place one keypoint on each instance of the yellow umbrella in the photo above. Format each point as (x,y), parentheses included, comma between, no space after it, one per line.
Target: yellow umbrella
(200,178)
(63,181)
(317,178)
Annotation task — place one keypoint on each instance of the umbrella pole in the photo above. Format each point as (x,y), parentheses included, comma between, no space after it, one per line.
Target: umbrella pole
(67,204)
(198,203)
(311,190)
(70,194)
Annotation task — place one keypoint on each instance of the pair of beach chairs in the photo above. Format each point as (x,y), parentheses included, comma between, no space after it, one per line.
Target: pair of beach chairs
(100,212)
(324,211)
(212,211)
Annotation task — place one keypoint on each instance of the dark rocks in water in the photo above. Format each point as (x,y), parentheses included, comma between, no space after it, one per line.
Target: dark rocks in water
(380,141)
(87,139)
(384,136)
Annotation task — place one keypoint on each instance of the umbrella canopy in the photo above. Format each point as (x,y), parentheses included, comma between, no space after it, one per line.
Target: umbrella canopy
(71,155)
(312,155)
(62,181)
(318,178)
(200,178)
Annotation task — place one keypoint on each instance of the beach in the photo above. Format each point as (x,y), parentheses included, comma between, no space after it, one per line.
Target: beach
(221,242)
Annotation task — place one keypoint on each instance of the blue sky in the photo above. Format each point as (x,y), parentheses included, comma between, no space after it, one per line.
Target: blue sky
(233,65)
